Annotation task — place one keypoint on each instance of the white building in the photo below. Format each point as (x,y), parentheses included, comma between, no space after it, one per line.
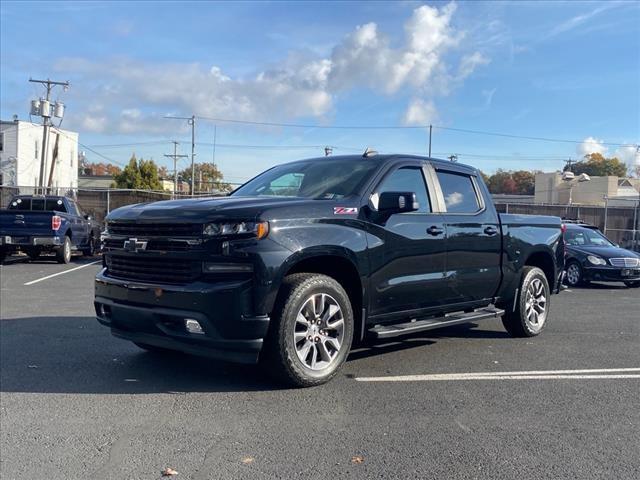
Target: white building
(21,154)
(552,189)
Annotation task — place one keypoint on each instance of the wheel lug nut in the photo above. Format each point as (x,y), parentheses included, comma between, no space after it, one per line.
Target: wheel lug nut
(317,339)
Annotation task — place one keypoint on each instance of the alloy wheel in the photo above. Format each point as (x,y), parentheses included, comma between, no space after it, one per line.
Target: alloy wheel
(573,274)
(319,331)
(536,305)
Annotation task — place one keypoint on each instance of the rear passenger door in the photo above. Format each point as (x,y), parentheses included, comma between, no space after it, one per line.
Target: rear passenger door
(408,267)
(474,242)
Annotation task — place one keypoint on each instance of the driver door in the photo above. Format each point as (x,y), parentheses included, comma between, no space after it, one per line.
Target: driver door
(408,269)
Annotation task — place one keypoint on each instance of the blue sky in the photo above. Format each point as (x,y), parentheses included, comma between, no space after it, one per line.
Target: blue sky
(563,70)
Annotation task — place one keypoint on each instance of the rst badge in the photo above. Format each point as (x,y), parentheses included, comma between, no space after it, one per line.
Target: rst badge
(345,210)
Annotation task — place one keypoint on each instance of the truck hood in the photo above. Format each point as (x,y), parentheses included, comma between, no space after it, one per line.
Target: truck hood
(211,208)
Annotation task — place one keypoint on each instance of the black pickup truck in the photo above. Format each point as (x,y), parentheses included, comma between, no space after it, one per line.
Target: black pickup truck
(311,256)
(37,224)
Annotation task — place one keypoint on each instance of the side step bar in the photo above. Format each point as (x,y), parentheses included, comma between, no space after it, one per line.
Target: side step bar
(398,329)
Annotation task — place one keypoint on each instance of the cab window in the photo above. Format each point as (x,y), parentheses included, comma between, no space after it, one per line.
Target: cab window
(407,179)
(459,193)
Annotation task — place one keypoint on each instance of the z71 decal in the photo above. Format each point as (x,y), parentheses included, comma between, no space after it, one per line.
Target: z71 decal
(345,210)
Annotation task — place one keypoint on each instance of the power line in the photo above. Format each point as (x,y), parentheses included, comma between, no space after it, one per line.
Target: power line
(402,127)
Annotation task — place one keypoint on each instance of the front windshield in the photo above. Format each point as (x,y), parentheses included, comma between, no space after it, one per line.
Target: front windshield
(318,179)
(585,236)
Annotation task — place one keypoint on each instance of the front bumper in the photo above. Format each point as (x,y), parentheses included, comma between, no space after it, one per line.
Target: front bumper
(27,241)
(155,315)
(611,274)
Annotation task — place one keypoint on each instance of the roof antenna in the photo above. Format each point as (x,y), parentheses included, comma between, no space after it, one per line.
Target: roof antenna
(369,152)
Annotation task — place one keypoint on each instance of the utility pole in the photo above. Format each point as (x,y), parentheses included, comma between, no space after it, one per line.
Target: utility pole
(192,122)
(175,157)
(569,162)
(43,108)
(430,130)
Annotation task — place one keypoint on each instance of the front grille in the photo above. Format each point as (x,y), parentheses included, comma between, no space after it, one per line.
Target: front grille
(152,269)
(625,262)
(155,245)
(133,229)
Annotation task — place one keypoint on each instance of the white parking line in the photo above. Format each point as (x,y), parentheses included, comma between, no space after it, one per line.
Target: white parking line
(60,273)
(598,373)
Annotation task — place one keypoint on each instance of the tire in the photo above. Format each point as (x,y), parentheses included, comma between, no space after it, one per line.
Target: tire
(532,305)
(154,349)
(63,252)
(298,351)
(574,275)
(3,256)
(90,250)
(633,284)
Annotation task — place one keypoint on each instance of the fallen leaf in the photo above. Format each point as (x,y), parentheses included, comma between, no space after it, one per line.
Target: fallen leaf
(33,366)
(247,460)
(168,472)
(357,459)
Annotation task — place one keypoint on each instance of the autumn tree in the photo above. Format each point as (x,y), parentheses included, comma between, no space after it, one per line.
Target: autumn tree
(207,179)
(101,168)
(597,165)
(139,174)
(520,182)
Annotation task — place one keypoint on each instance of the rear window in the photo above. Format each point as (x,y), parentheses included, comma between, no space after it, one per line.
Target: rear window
(459,193)
(38,204)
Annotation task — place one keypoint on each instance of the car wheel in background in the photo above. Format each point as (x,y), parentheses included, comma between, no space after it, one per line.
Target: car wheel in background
(531,307)
(574,275)
(311,330)
(633,284)
(63,252)
(90,249)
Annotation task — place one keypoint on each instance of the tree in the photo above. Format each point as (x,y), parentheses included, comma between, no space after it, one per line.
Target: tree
(139,174)
(208,178)
(100,168)
(525,182)
(597,165)
(163,172)
(520,182)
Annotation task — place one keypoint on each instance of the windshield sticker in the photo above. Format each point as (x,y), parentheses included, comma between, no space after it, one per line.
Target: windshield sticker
(345,210)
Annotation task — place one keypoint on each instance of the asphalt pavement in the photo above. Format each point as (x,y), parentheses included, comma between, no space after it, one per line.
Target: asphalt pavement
(77,403)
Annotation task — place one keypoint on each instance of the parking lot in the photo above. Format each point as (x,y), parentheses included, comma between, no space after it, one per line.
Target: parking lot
(78,403)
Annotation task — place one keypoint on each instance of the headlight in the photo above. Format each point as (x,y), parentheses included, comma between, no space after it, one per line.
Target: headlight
(254,229)
(596,260)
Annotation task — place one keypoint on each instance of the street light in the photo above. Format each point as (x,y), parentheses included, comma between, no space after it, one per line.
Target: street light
(571,179)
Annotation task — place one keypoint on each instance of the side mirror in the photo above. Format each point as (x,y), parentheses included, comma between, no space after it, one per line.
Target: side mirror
(397,202)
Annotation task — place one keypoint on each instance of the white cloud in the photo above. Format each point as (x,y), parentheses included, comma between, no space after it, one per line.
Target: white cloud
(578,20)
(420,112)
(590,145)
(629,154)
(133,95)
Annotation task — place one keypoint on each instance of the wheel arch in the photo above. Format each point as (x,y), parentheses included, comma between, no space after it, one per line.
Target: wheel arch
(543,260)
(337,265)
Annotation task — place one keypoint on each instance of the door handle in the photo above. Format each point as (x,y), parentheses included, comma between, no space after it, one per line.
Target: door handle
(491,231)
(435,231)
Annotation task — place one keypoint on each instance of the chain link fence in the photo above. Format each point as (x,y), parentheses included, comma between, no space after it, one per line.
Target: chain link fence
(619,219)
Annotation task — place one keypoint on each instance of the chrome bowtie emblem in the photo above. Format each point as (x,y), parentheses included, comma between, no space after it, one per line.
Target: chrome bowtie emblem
(133,245)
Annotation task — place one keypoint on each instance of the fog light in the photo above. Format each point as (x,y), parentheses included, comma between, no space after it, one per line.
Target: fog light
(193,326)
